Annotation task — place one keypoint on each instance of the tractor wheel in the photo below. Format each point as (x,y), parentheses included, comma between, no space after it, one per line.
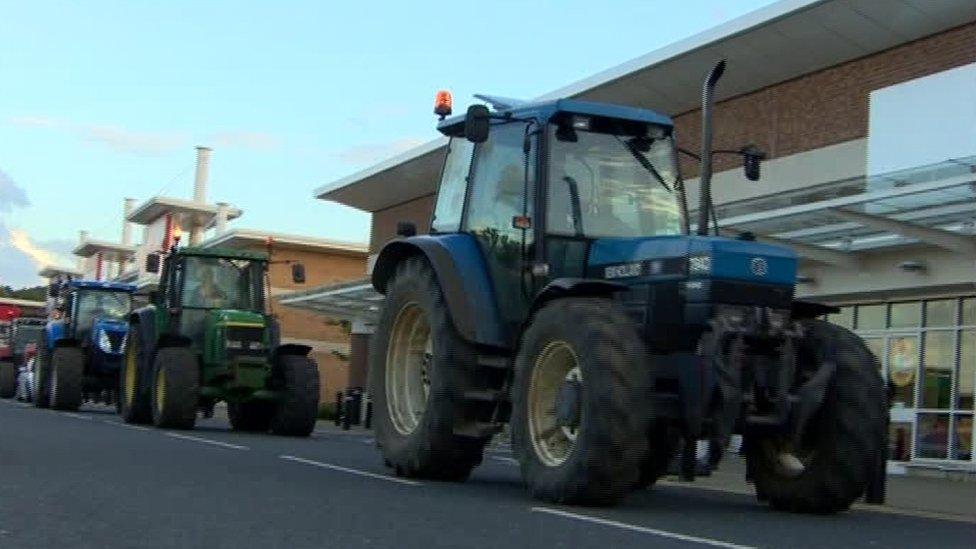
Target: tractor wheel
(581,410)
(833,466)
(175,388)
(134,401)
(252,417)
(297,380)
(67,377)
(42,373)
(8,379)
(420,370)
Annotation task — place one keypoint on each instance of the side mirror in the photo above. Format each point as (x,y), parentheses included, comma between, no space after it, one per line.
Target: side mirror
(152,263)
(751,159)
(298,273)
(476,124)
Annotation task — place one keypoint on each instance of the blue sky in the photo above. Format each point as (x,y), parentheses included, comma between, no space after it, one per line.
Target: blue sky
(102,100)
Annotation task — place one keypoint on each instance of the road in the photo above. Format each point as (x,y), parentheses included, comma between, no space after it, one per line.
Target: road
(87,480)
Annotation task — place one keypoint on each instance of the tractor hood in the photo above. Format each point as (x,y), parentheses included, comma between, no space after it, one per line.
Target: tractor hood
(109,335)
(691,257)
(233,316)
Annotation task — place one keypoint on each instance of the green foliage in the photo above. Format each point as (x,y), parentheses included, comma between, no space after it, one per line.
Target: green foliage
(33,293)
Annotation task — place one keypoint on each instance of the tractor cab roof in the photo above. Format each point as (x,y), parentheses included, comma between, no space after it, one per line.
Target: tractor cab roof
(544,111)
(102,285)
(224,253)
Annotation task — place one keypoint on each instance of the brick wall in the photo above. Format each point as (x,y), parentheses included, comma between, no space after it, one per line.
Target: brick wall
(821,108)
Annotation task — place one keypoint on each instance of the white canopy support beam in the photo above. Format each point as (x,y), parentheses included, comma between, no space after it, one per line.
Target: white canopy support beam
(955,242)
(813,252)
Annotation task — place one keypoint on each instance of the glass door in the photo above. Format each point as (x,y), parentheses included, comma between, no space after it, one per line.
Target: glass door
(901,372)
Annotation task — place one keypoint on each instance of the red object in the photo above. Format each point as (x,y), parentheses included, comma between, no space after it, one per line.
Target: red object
(443,103)
(30,350)
(9,312)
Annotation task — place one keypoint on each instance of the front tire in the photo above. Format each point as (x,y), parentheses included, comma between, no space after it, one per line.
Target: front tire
(297,381)
(584,355)
(419,371)
(8,379)
(42,374)
(833,467)
(134,402)
(250,417)
(67,376)
(175,388)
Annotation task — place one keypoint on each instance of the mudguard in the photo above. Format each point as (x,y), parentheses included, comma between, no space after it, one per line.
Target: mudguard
(464,279)
(808,309)
(564,287)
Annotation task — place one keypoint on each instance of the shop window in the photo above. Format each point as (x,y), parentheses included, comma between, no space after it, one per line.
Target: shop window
(967,370)
(871,317)
(938,361)
(906,315)
(969,312)
(940,313)
(844,318)
(900,441)
(933,436)
(902,369)
(964,438)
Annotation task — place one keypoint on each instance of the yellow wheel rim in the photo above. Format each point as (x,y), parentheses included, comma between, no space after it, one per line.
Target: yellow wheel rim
(130,372)
(556,364)
(160,389)
(408,367)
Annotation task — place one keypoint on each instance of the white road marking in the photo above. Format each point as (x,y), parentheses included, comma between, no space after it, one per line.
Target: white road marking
(351,471)
(76,416)
(207,441)
(642,529)
(126,425)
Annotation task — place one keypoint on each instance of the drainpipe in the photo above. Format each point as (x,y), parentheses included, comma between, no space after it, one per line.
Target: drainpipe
(128,204)
(200,190)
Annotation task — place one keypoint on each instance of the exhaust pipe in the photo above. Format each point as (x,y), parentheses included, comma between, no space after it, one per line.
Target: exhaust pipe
(708,93)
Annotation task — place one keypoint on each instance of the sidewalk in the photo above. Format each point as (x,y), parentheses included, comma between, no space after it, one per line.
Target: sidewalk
(937,497)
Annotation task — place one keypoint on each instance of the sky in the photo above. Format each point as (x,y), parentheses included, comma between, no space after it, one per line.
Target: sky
(104,100)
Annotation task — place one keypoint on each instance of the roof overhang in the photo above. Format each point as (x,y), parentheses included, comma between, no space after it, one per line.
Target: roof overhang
(91,247)
(246,238)
(158,206)
(22,302)
(355,300)
(816,34)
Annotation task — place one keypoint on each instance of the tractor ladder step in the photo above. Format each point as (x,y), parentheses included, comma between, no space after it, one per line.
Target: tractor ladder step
(494,361)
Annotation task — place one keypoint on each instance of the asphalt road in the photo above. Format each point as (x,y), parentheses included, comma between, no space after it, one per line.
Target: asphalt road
(87,480)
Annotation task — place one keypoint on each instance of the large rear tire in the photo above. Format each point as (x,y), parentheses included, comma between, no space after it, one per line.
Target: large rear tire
(42,375)
(843,438)
(583,355)
(8,379)
(175,388)
(297,380)
(67,377)
(419,372)
(250,417)
(134,401)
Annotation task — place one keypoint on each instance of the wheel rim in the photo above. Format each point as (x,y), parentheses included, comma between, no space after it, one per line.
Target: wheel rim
(556,364)
(129,374)
(408,364)
(787,460)
(160,390)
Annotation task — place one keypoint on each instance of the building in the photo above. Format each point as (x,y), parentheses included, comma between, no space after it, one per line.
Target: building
(865,111)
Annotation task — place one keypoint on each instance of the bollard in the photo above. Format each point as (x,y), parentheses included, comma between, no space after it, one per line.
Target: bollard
(368,423)
(355,406)
(338,408)
(347,404)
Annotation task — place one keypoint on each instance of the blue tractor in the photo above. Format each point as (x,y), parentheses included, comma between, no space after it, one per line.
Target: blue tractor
(82,347)
(564,290)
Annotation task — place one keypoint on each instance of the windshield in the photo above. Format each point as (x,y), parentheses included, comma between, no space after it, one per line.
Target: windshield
(222,283)
(599,186)
(94,304)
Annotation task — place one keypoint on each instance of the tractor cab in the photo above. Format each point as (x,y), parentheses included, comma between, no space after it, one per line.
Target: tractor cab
(93,315)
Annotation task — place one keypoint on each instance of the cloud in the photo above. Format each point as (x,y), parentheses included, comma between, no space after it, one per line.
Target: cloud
(18,268)
(40,256)
(255,141)
(127,141)
(375,152)
(11,195)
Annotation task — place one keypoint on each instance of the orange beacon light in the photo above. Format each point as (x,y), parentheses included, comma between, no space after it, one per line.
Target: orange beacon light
(442,104)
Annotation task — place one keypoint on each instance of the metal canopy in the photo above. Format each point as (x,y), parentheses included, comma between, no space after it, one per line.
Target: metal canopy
(933,205)
(355,300)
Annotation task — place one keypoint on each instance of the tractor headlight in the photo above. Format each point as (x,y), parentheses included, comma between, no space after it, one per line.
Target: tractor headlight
(700,264)
(103,342)
(234,344)
(125,339)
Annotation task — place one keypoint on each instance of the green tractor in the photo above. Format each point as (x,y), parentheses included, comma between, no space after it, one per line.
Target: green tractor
(207,336)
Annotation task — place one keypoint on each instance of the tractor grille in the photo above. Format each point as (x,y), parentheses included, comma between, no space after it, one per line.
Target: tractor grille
(244,341)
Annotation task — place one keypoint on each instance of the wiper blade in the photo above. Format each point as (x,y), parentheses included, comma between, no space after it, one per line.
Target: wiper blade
(643,161)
